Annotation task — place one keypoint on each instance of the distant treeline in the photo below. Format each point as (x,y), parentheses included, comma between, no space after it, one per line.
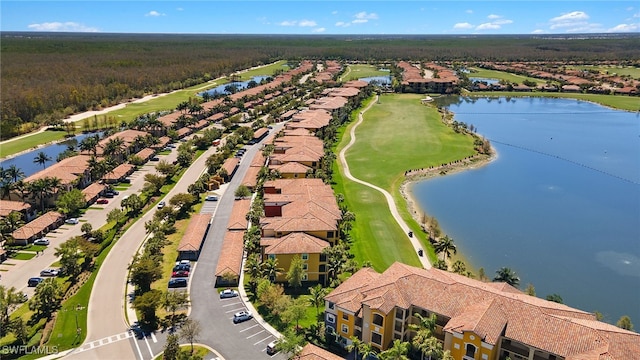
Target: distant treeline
(46,76)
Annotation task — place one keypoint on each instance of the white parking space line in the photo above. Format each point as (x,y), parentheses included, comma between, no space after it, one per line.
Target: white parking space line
(256,334)
(135,341)
(148,346)
(232,304)
(262,340)
(153,337)
(235,310)
(250,327)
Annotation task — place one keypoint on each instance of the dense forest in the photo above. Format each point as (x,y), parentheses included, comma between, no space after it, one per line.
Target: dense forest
(47,76)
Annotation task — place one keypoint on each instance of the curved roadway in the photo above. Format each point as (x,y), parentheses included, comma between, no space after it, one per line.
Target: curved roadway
(392,205)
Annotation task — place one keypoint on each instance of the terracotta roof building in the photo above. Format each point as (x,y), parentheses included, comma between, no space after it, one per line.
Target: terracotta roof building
(230,263)
(191,243)
(71,171)
(9,206)
(38,227)
(474,320)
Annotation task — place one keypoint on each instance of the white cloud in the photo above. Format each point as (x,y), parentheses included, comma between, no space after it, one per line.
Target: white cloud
(464,25)
(488,26)
(493,16)
(180,9)
(625,28)
(538,31)
(302,23)
(503,22)
(342,24)
(61,26)
(574,16)
(469,11)
(360,21)
(334,12)
(363,17)
(319,30)
(154,13)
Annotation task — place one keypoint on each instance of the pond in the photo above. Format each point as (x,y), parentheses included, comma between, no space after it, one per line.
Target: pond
(560,205)
(239,85)
(378,79)
(25,162)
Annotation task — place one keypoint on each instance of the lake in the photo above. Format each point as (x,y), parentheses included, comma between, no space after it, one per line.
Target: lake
(25,161)
(239,85)
(560,205)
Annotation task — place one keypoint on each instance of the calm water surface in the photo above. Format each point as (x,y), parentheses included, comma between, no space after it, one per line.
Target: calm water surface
(560,205)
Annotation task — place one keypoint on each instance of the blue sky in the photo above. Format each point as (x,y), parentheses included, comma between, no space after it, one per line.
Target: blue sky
(324,17)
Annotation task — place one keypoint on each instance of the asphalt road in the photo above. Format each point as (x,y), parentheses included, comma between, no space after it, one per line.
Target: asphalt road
(247,340)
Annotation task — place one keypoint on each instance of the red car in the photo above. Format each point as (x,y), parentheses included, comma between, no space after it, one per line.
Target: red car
(102,201)
(180,273)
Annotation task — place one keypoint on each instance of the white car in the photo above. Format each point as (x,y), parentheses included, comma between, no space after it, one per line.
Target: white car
(228,293)
(211,198)
(49,272)
(72,221)
(41,241)
(242,316)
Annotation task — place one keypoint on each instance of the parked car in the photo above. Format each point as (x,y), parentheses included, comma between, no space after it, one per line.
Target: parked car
(72,221)
(34,281)
(178,283)
(125,181)
(41,241)
(211,198)
(113,192)
(108,195)
(155,158)
(180,273)
(271,348)
(228,293)
(241,316)
(102,201)
(161,204)
(179,267)
(49,272)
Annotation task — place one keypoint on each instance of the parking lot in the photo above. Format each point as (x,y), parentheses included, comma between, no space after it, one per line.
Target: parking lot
(250,331)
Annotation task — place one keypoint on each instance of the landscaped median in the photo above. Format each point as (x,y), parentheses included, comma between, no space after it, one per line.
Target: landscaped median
(398,134)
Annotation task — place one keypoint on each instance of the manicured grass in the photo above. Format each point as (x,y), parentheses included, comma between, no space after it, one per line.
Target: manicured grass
(267,70)
(358,71)
(199,352)
(622,71)
(30,142)
(398,134)
(621,102)
(501,75)
(23,256)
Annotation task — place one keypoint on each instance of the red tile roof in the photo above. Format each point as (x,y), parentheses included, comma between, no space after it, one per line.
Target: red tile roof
(92,191)
(294,243)
(194,235)
(312,352)
(37,226)
(9,206)
(232,250)
(238,217)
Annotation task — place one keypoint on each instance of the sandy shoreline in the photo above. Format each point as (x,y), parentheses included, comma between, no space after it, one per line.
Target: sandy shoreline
(423,174)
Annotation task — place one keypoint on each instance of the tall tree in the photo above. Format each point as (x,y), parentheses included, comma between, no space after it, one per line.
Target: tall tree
(42,159)
(70,255)
(173,301)
(505,274)
(296,272)
(446,247)
(14,173)
(171,348)
(190,331)
(625,323)
(316,298)
(147,304)
(47,298)
(398,351)
(9,299)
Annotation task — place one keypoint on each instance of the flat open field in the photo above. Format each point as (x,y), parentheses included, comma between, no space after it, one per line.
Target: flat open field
(398,134)
(501,75)
(358,71)
(622,71)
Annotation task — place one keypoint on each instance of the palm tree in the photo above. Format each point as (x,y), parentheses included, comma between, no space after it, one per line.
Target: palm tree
(398,351)
(39,191)
(89,144)
(427,344)
(114,147)
(355,346)
(14,173)
(254,270)
(366,350)
(270,268)
(316,298)
(446,247)
(505,274)
(42,159)
(9,298)
(5,188)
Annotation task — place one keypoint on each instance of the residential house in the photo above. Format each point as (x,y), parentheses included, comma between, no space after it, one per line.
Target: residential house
(38,227)
(474,320)
(191,243)
(25,209)
(309,248)
(72,172)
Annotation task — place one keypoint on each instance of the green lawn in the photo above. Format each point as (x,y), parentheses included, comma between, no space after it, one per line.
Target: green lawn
(628,103)
(30,142)
(23,256)
(267,70)
(398,134)
(634,72)
(501,75)
(358,71)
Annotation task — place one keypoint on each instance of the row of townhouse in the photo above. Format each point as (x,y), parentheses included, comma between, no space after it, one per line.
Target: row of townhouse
(444,80)
(74,172)
(475,320)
